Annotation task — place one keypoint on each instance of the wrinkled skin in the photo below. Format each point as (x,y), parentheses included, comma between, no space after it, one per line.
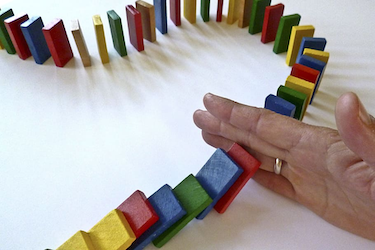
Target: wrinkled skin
(331,172)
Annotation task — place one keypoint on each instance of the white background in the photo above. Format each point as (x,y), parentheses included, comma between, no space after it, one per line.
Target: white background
(75,142)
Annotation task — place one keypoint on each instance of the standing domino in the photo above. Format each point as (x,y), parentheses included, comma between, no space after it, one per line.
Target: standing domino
(13,26)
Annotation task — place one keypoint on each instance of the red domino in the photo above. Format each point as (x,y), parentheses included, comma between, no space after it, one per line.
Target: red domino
(12,25)
(58,42)
(175,11)
(138,212)
(305,73)
(249,165)
(272,17)
(219,12)
(135,27)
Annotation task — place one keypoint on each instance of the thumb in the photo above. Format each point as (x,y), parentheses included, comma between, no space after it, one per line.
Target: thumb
(356,127)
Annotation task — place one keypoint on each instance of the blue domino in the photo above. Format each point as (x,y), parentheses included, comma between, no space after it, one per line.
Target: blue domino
(160,7)
(217,176)
(314,64)
(32,31)
(279,105)
(311,43)
(169,211)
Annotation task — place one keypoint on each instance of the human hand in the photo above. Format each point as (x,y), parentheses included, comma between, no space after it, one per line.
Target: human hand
(330,172)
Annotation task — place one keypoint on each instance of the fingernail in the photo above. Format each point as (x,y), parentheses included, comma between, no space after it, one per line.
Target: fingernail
(363,115)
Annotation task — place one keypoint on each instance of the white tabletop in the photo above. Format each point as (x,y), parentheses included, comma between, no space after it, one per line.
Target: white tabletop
(75,142)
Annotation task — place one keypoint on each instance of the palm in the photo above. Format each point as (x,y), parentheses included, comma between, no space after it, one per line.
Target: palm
(319,170)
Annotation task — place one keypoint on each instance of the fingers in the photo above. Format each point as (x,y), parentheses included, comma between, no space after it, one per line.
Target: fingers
(356,127)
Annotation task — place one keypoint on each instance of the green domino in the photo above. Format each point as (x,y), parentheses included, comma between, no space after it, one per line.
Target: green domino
(194,199)
(205,10)
(295,97)
(283,32)
(4,36)
(117,32)
(257,15)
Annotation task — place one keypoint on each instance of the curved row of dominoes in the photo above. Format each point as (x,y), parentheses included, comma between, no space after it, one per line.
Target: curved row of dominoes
(140,220)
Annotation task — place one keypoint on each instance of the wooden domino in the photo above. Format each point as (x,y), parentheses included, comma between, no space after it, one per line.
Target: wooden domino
(311,43)
(249,165)
(297,98)
(80,240)
(298,32)
(148,20)
(257,16)
(233,11)
(32,31)
(160,7)
(205,10)
(113,232)
(175,11)
(58,42)
(117,32)
(81,43)
(135,27)
(216,177)
(194,199)
(317,54)
(279,105)
(138,212)
(244,13)
(302,86)
(219,11)
(4,36)
(100,39)
(271,22)
(190,10)
(169,210)
(284,31)
(13,26)
(305,73)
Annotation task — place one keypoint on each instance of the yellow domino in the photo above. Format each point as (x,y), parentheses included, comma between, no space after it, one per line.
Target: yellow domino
(190,10)
(113,232)
(100,39)
(233,11)
(302,86)
(317,54)
(298,32)
(81,240)
(1,45)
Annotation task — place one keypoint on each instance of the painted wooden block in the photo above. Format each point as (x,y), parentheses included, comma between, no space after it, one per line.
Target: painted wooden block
(305,73)
(58,42)
(161,15)
(219,11)
(100,39)
(32,31)
(233,11)
(194,199)
(302,86)
(81,43)
(1,45)
(169,211)
(317,54)
(249,165)
(138,212)
(293,96)
(205,10)
(13,26)
(311,43)
(314,64)
(284,31)
(216,177)
(279,105)
(257,15)
(271,22)
(244,13)
(113,232)
(135,27)
(298,32)
(4,36)
(148,20)
(190,10)
(175,11)
(80,240)
(117,32)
